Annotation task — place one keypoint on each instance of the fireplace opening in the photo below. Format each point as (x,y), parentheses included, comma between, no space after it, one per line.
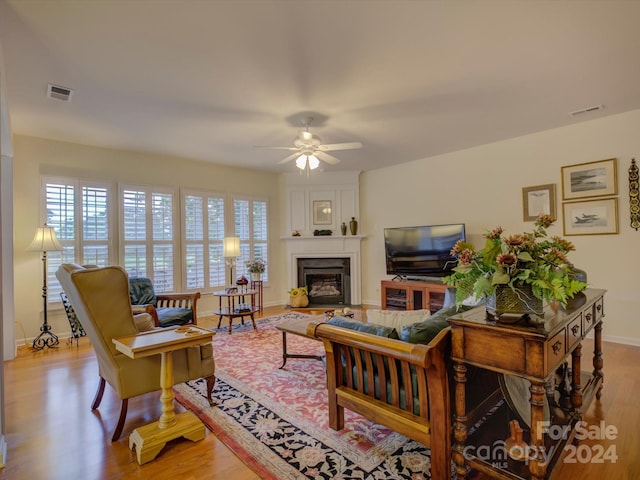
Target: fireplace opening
(328,280)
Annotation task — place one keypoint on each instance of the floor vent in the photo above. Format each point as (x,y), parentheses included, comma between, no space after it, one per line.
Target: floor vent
(59,93)
(586,110)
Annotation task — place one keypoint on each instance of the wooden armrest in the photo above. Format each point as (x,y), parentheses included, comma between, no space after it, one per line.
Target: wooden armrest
(417,354)
(147,308)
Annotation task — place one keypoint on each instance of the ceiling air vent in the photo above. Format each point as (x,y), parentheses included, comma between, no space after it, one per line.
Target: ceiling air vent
(586,110)
(59,93)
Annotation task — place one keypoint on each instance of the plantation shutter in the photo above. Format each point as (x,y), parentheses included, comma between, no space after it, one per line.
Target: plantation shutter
(148,240)
(79,212)
(250,224)
(204,232)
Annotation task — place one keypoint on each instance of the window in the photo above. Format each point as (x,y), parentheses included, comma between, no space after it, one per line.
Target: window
(143,229)
(79,210)
(204,215)
(250,218)
(147,232)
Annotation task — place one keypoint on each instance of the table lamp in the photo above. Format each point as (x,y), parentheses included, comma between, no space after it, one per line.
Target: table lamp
(45,241)
(231,251)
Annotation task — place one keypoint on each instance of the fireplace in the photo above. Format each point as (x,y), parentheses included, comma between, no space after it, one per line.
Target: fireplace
(331,252)
(328,280)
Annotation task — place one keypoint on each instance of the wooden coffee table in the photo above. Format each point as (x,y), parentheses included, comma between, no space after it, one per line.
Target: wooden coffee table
(297,327)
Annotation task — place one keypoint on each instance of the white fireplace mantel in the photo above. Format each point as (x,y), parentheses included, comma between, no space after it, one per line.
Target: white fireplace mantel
(326,247)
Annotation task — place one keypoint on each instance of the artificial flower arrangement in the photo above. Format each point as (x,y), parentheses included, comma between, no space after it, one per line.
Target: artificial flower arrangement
(298,297)
(255,266)
(296,292)
(532,258)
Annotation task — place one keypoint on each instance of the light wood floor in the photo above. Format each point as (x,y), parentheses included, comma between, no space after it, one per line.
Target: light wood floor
(53,434)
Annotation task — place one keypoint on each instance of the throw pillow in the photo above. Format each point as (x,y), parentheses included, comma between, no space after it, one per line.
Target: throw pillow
(144,322)
(396,318)
(424,332)
(380,330)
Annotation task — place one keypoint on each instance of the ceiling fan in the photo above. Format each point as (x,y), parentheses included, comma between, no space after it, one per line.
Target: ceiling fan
(309,149)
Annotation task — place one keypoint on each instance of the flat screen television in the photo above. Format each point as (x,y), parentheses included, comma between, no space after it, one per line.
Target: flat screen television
(422,251)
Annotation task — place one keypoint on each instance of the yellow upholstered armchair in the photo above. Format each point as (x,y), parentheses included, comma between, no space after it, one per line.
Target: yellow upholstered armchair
(100,298)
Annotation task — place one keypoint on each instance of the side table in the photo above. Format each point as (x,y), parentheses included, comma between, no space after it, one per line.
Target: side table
(532,351)
(232,305)
(150,439)
(257,286)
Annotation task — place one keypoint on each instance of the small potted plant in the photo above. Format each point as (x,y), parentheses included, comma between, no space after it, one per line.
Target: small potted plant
(525,268)
(256,268)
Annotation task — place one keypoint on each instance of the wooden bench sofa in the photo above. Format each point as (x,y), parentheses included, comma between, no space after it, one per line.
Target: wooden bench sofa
(411,386)
(411,381)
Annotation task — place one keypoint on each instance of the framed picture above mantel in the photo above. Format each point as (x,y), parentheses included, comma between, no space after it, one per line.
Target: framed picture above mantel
(322,212)
(591,179)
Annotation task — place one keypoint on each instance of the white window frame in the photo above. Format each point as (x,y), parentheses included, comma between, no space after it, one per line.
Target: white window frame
(205,242)
(250,242)
(79,242)
(149,242)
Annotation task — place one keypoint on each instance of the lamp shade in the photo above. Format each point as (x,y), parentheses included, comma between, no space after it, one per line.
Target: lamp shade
(45,240)
(231,247)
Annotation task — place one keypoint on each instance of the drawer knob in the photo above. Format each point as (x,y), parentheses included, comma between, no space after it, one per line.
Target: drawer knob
(598,308)
(588,317)
(556,347)
(575,329)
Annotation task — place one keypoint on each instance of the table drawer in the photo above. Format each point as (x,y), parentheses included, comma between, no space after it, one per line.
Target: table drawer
(599,309)
(574,330)
(556,348)
(593,315)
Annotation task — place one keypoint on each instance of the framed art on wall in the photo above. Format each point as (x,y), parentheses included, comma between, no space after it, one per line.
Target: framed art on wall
(591,217)
(592,179)
(322,213)
(537,200)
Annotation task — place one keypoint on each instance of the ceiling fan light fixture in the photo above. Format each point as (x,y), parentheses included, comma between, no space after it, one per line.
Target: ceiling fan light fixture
(313,162)
(301,162)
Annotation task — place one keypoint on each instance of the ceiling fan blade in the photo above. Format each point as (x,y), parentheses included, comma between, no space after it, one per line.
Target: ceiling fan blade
(340,146)
(275,148)
(330,159)
(290,157)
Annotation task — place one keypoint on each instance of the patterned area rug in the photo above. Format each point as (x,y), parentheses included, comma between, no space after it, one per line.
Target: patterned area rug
(276,420)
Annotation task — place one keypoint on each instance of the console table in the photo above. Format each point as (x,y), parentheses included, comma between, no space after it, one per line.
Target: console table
(532,349)
(232,305)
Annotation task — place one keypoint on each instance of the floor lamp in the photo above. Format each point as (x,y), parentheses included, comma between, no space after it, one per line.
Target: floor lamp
(45,241)
(231,251)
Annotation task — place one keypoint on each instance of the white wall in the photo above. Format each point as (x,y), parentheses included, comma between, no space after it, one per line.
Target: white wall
(7,348)
(36,156)
(482,187)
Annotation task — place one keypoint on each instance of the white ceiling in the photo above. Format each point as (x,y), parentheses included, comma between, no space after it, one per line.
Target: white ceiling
(208,80)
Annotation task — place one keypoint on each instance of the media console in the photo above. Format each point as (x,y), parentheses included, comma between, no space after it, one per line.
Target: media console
(412,294)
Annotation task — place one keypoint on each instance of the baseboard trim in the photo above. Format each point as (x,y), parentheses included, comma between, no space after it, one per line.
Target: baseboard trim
(624,340)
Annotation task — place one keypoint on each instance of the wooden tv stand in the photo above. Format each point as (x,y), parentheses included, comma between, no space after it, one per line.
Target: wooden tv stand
(412,294)
(535,353)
